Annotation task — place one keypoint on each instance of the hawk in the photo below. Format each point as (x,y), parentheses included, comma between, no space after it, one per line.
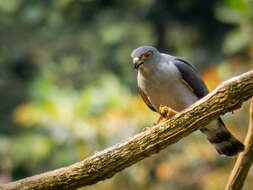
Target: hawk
(168,84)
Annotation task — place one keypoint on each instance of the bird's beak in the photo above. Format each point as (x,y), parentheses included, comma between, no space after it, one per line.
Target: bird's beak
(137,62)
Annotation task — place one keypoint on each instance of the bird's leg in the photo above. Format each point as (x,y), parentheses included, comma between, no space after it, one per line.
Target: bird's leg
(166,113)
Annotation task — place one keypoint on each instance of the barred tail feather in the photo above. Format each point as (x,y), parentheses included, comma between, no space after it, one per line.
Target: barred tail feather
(222,139)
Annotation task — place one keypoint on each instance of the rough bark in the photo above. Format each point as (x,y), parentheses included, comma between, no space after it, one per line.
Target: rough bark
(102,165)
(245,159)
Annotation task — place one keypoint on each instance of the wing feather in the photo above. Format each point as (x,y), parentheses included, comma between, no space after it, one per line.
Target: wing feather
(191,77)
(145,99)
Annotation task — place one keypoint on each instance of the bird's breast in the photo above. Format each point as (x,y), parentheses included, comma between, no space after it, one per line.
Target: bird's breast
(163,87)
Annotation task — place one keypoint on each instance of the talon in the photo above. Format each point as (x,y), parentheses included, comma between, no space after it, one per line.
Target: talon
(167,112)
(163,110)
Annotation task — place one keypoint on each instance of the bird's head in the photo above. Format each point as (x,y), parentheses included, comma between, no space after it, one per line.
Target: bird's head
(145,56)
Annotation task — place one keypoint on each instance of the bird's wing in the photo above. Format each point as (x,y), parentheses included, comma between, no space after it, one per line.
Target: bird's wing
(146,100)
(217,134)
(191,77)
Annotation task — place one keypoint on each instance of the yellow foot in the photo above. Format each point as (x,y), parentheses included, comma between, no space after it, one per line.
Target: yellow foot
(167,112)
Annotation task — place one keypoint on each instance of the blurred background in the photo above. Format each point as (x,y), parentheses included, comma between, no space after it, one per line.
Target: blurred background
(68,89)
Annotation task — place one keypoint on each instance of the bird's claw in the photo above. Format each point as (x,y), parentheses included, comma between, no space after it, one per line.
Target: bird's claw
(167,112)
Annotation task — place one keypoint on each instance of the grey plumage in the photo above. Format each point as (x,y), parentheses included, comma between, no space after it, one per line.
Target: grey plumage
(166,80)
(191,76)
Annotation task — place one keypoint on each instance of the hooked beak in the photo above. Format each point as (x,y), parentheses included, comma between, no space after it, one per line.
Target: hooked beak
(137,62)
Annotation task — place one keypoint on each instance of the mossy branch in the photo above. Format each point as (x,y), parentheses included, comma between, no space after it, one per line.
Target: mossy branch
(102,165)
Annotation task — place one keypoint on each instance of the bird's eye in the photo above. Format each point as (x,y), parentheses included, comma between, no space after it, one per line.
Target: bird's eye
(148,55)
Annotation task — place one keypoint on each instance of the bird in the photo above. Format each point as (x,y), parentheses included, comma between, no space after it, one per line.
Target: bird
(168,84)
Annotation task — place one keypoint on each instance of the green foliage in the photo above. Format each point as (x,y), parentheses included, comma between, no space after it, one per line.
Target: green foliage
(239,13)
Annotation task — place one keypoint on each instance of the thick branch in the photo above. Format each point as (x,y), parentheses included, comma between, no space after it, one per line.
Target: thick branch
(102,165)
(244,161)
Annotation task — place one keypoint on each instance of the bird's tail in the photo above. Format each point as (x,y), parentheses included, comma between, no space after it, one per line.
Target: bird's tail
(222,139)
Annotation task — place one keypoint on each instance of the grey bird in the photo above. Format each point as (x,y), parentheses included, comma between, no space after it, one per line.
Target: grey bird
(168,84)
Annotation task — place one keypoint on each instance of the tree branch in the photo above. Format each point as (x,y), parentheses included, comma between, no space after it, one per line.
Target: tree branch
(244,160)
(102,165)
